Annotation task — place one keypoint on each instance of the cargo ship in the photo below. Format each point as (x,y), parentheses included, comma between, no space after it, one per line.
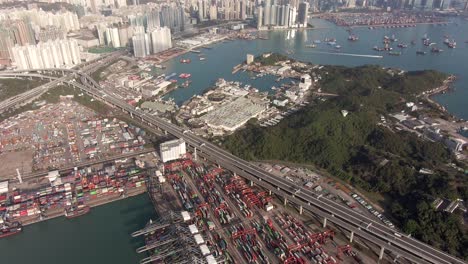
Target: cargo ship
(77,211)
(185,61)
(185,75)
(9,229)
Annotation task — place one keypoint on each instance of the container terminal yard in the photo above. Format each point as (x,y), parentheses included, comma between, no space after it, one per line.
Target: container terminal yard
(216,216)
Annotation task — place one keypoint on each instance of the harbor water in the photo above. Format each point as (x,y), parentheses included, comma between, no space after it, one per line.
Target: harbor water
(222,57)
(99,237)
(103,235)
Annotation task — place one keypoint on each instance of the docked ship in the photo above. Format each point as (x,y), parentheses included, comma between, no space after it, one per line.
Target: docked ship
(77,211)
(185,61)
(185,75)
(9,229)
(170,76)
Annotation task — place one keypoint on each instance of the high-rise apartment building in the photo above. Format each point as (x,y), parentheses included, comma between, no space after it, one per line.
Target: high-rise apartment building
(51,54)
(160,39)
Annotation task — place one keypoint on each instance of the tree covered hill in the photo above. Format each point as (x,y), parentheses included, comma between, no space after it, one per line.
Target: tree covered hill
(354,146)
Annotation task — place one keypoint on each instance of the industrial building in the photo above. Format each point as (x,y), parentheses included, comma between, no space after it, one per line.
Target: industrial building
(172,150)
(235,114)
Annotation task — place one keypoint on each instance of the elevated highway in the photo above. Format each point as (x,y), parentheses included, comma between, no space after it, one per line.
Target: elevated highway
(356,223)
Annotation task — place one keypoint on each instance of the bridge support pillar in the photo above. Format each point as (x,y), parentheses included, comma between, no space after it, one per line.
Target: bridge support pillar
(351,236)
(301,209)
(195,153)
(324,222)
(382,249)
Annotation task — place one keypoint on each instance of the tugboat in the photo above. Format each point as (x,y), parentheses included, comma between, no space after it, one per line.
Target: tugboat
(9,229)
(76,211)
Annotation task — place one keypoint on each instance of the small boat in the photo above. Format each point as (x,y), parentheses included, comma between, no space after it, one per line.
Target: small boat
(9,229)
(185,75)
(402,45)
(353,37)
(420,52)
(413,42)
(185,61)
(337,47)
(393,38)
(395,53)
(77,211)
(311,46)
(436,50)
(186,83)
(317,41)
(202,58)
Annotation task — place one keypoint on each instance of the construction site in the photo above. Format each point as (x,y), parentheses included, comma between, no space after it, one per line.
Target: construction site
(209,215)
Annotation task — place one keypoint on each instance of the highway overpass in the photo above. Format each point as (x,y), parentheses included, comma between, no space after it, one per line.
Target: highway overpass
(339,214)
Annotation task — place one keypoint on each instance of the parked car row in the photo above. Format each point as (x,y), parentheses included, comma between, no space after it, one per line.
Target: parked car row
(372,210)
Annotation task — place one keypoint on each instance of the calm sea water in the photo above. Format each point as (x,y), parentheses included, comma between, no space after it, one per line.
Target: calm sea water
(100,237)
(103,235)
(222,57)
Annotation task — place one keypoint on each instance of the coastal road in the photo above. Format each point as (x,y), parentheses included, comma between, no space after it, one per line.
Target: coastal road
(359,224)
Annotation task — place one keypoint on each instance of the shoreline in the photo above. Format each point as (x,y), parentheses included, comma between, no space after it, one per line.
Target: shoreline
(58,212)
(446,85)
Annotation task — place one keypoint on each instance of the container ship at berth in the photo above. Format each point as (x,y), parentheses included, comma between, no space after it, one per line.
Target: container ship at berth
(79,188)
(76,211)
(9,229)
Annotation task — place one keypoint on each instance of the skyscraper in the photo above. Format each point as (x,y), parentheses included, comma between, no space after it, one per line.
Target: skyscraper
(267,14)
(259,17)
(302,14)
(160,39)
(140,45)
(273,15)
